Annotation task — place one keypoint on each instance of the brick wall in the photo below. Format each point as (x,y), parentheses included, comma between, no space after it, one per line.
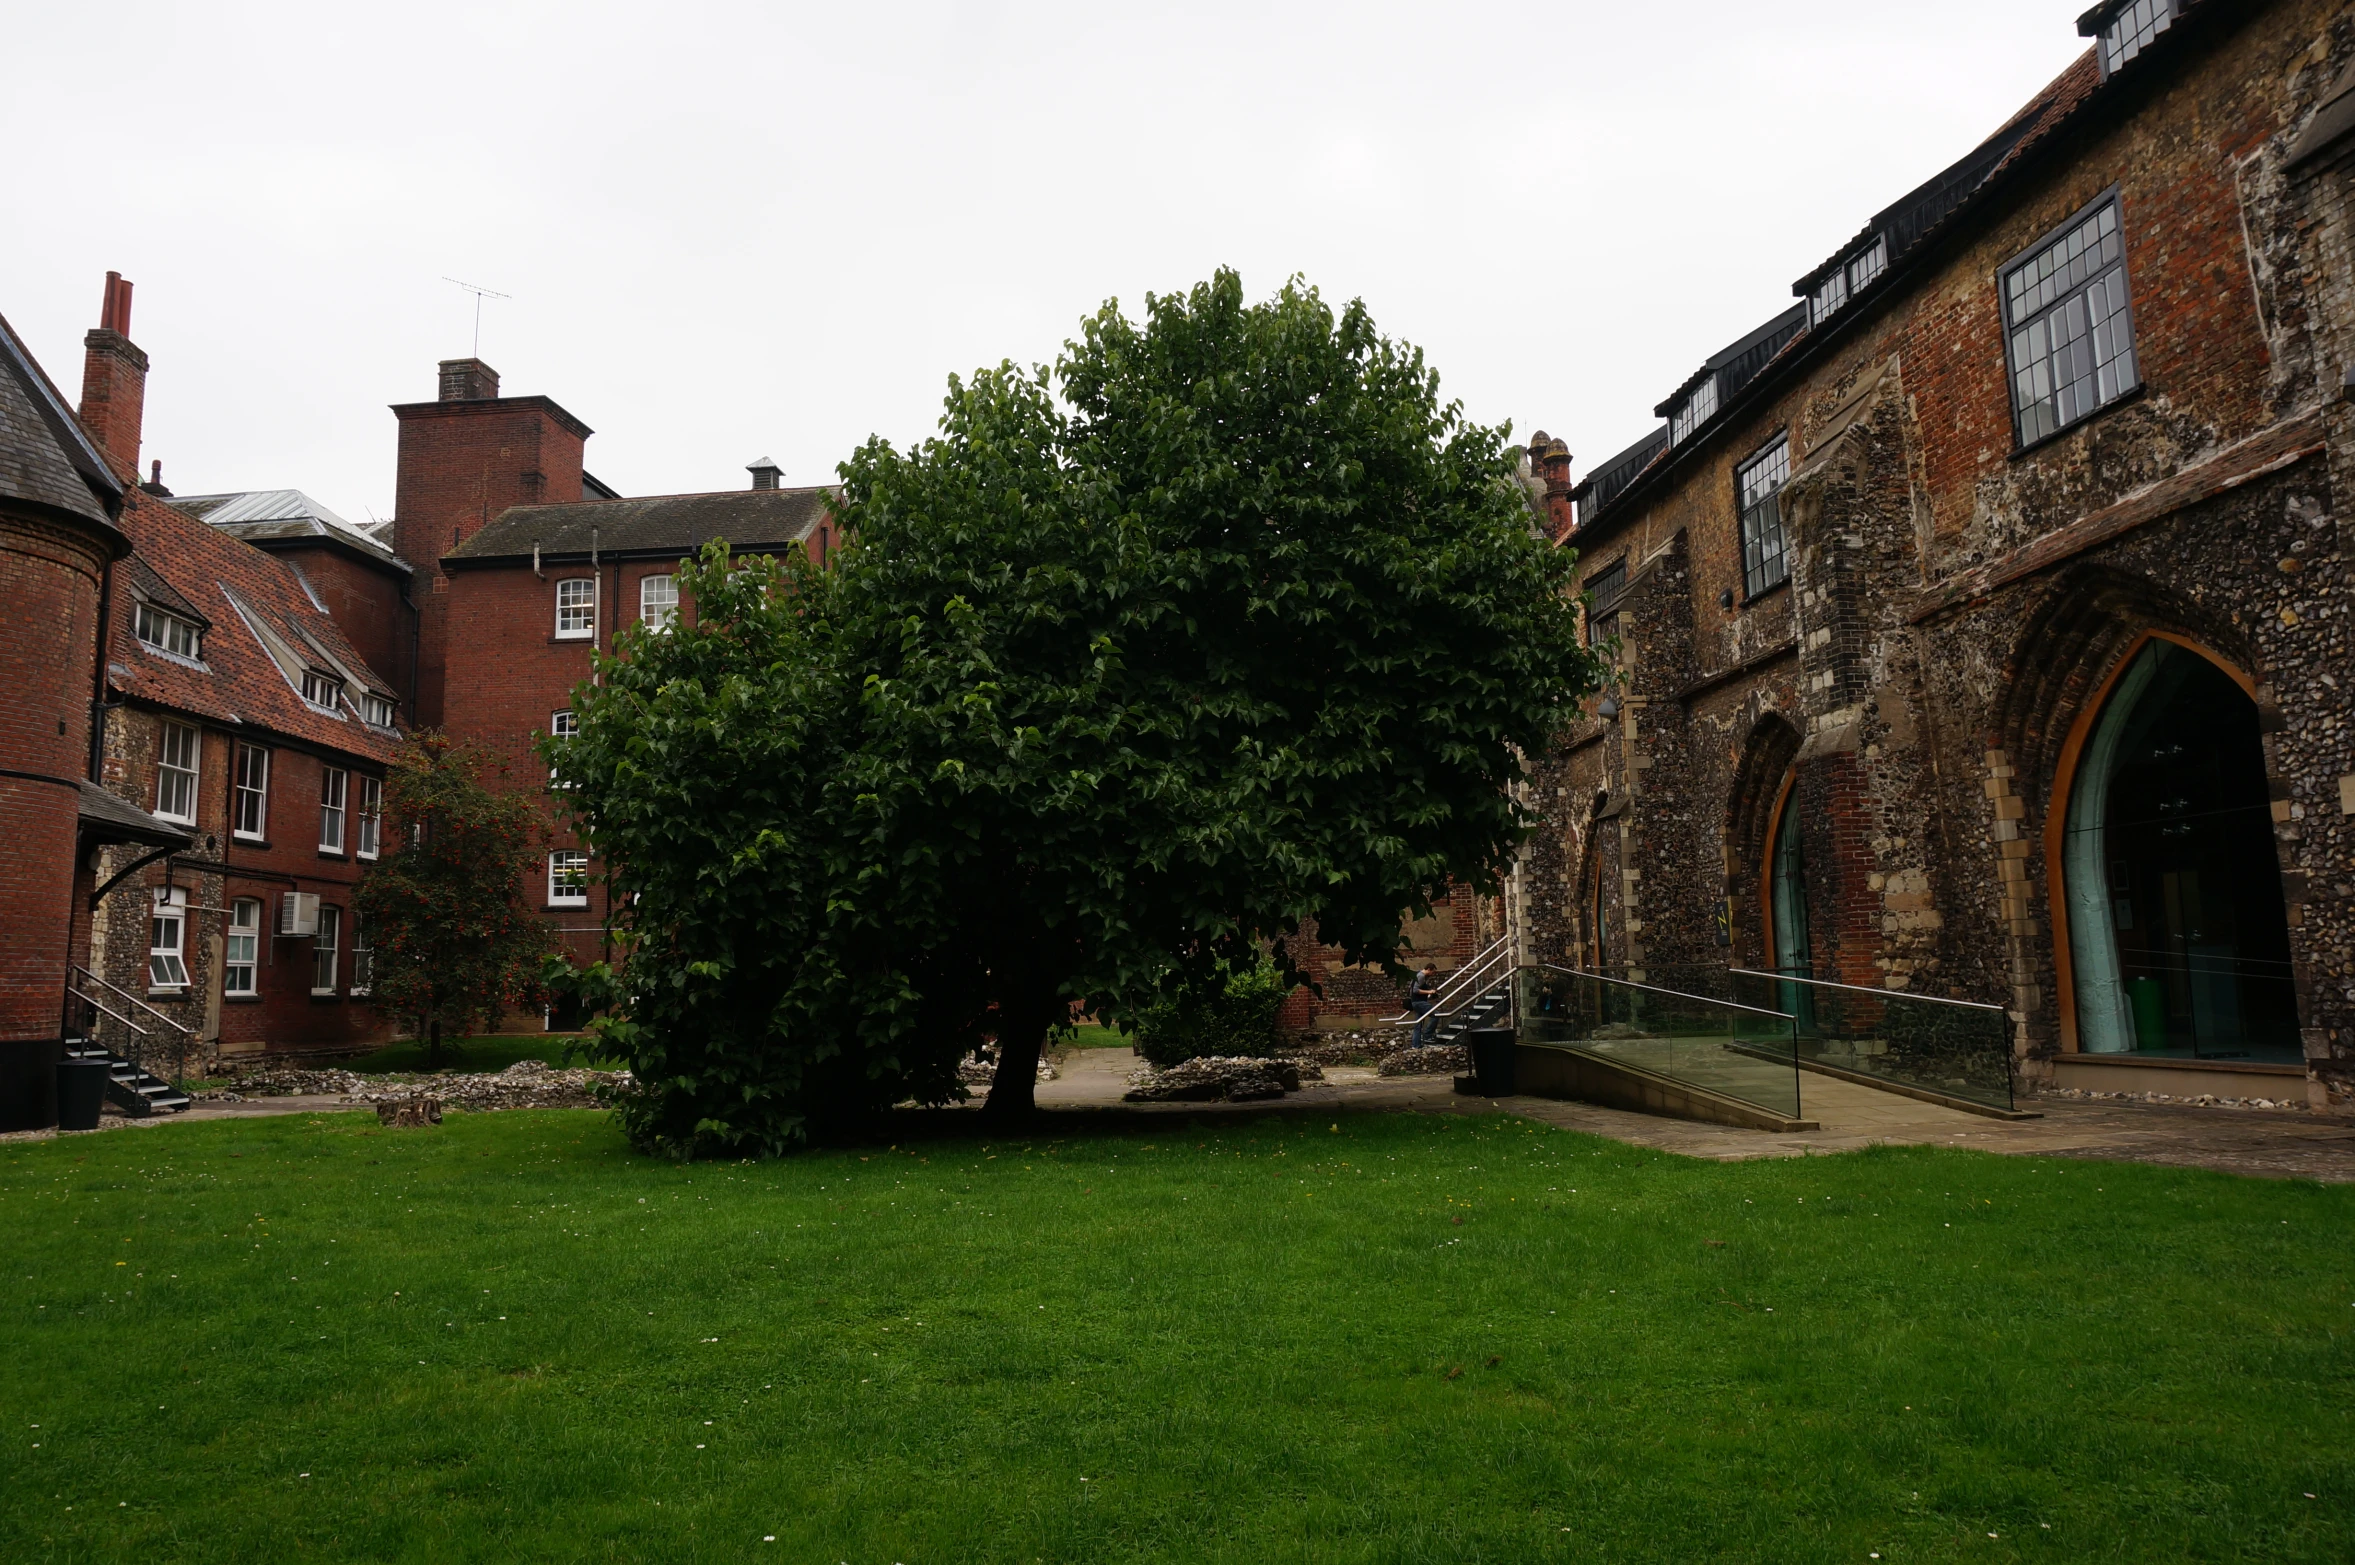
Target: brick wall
(367,602)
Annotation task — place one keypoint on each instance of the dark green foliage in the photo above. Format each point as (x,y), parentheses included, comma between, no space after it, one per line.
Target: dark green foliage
(444,908)
(1231,1014)
(1242,628)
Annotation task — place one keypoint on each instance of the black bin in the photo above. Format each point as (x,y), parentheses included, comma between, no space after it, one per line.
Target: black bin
(81,1092)
(1492,1060)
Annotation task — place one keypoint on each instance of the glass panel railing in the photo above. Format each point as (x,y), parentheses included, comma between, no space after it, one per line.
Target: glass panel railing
(1741,1051)
(1954,1048)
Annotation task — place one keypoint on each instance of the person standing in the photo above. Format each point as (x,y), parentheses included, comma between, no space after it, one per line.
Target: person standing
(1421,995)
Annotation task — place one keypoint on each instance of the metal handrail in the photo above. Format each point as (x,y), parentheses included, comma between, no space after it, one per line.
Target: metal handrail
(94,1001)
(1674,994)
(1458,983)
(1884,994)
(121,993)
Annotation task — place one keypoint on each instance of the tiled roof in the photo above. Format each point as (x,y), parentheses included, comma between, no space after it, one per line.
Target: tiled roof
(106,817)
(262,631)
(261,515)
(747,518)
(45,457)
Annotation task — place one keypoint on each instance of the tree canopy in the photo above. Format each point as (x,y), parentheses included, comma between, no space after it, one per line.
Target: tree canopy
(454,944)
(1225,623)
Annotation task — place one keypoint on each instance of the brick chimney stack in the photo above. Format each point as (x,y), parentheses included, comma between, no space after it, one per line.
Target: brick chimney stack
(114,381)
(1551,458)
(468,380)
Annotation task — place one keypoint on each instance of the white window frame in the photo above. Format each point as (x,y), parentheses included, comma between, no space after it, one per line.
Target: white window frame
(561,725)
(658,601)
(321,690)
(375,710)
(568,878)
(363,957)
(167,941)
(179,758)
(576,608)
(335,785)
(2036,310)
(244,952)
(251,794)
(324,948)
(368,828)
(166,632)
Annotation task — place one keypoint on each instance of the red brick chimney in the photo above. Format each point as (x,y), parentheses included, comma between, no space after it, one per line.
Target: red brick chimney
(468,380)
(114,381)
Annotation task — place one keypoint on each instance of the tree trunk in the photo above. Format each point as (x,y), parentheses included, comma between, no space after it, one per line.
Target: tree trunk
(433,1044)
(1014,1092)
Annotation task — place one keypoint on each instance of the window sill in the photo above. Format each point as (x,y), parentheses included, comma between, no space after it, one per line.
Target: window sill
(2122,399)
(365,858)
(241,999)
(565,907)
(336,854)
(561,639)
(1764,593)
(174,820)
(325,994)
(244,841)
(167,994)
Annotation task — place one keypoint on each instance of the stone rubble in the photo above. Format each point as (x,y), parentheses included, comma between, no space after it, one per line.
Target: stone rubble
(1439,1059)
(983,1073)
(2205,1100)
(1347,1048)
(1220,1079)
(527,1084)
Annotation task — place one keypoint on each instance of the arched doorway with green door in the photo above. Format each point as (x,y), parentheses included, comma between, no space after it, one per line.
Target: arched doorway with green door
(2176,936)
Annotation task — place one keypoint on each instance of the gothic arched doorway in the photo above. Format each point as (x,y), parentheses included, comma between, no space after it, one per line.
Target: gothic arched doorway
(2176,939)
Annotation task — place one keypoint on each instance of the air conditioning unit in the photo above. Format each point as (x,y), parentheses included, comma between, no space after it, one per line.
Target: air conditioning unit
(298,913)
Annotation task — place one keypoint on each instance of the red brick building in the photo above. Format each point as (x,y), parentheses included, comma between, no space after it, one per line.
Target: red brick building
(1983,618)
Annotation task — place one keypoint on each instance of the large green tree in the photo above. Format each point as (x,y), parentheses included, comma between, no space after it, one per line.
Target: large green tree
(454,943)
(1226,623)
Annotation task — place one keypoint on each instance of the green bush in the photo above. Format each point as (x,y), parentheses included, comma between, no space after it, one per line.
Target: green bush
(1233,1015)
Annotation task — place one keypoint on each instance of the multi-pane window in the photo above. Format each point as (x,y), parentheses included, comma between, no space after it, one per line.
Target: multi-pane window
(167,632)
(1602,591)
(1766,557)
(1696,411)
(2132,29)
(363,956)
(561,725)
(1850,277)
(321,690)
(1870,264)
(333,781)
(375,710)
(568,878)
(1829,295)
(241,973)
(658,601)
(368,828)
(323,949)
(175,773)
(253,792)
(576,608)
(2070,338)
(167,930)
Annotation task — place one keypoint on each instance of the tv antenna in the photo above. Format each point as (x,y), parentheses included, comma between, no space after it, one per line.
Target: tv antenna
(480,294)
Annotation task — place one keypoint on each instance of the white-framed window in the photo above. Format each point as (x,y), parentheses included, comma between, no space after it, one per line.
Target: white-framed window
(167,934)
(1766,555)
(576,608)
(375,710)
(334,781)
(363,957)
(568,878)
(321,689)
(253,793)
(368,829)
(2069,336)
(167,632)
(561,725)
(2131,28)
(176,754)
(323,949)
(658,601)
(241,973)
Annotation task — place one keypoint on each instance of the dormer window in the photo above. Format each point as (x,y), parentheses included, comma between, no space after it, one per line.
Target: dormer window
(1848,279)
(321,690)
(168,632)
(2131,28)
(1697,410)
(375,710)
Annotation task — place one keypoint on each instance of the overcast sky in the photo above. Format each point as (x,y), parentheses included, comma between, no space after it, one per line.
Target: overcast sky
(737,230)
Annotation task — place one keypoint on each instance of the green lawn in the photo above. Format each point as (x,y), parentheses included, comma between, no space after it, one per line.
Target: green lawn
(1401,1339)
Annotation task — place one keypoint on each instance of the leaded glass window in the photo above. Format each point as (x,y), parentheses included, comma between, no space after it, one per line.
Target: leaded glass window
(2070,335)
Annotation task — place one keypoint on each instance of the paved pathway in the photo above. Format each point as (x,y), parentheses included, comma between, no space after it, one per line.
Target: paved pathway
(2239,1141)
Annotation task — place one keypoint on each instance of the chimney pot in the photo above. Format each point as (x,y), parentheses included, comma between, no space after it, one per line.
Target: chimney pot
(468,380)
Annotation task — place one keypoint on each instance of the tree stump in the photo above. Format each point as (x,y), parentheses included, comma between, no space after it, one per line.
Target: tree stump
(410,1113)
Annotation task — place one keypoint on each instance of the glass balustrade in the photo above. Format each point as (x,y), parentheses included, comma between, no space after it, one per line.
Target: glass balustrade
(1738,1050)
